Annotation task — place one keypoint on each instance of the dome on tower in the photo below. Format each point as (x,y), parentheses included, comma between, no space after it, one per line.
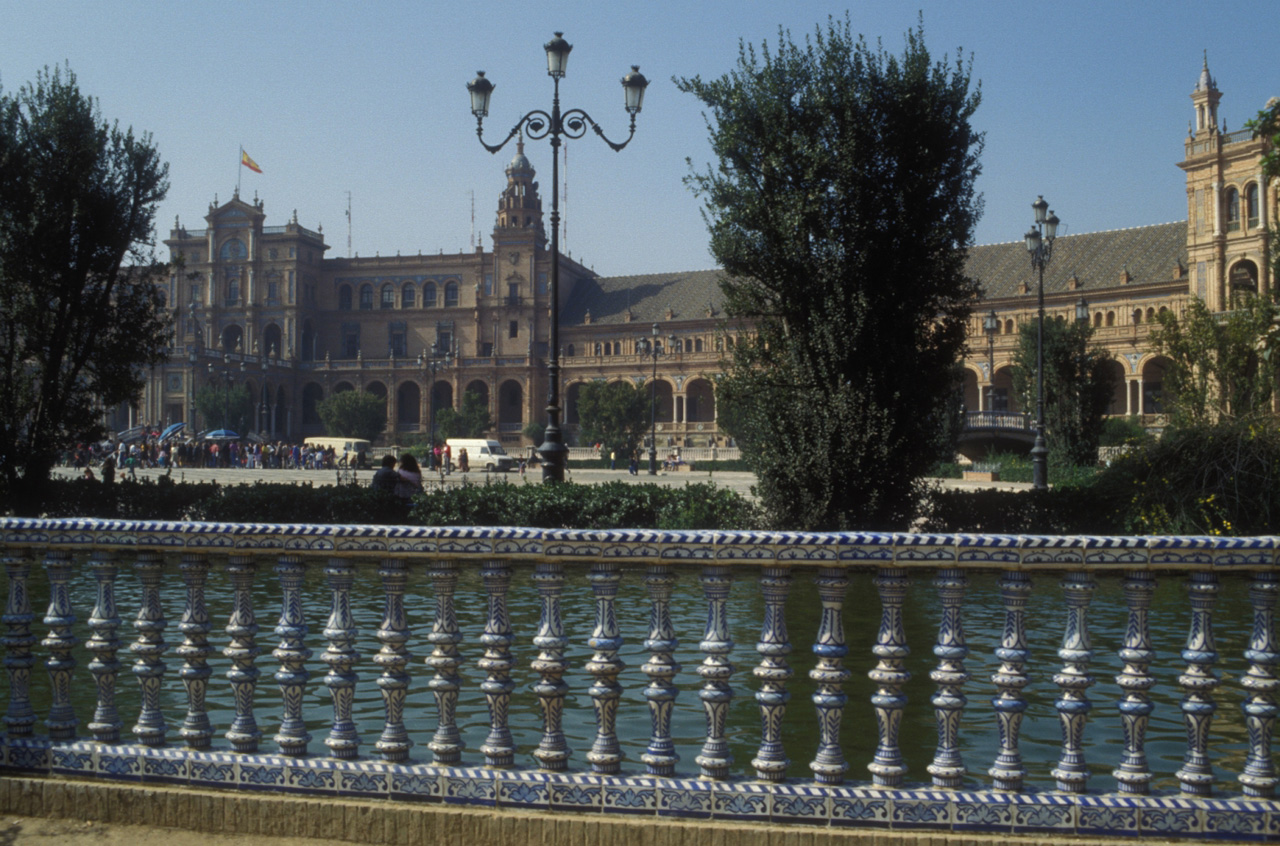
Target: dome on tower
(519,162)
(1205,83)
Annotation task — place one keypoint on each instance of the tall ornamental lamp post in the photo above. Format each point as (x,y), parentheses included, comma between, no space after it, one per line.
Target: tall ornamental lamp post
(991,325)
(653,348)
(1040,239)
(540,124)
(1082,320)
(227,373)
(262,408)
(434,359)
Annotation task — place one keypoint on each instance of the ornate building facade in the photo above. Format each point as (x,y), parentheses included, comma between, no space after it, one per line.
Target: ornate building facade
(262,305)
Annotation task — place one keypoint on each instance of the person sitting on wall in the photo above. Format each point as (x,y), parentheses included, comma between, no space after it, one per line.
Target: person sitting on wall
(386,477)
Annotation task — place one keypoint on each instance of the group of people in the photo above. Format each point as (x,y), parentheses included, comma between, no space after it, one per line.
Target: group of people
(228,454)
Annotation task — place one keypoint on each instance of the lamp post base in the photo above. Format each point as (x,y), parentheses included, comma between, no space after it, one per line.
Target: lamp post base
(555,458)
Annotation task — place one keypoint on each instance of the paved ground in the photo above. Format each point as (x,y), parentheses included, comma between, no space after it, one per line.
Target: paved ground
(739,481)
(34,831)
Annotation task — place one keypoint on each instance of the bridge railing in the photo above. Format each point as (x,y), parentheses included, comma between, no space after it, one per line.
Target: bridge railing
(584,588)
(1010,420)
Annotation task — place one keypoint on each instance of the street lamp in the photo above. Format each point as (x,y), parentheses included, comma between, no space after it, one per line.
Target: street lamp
(991,325)
(540,124)
(653,348)
(1040,239)
(440,356)
(262,410)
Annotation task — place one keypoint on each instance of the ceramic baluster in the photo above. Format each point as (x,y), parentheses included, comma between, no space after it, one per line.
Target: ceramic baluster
(19,716)
(1259,776)
(243,651)
(498,748)
(340,656)
(1074,681)
(660,757)
(715,670)
(553,751)
(194,651)
(149,649)
(104,621)
(947,767)
(605,755)
(292,653)
(887,767)
(1198,683)
(60,641)
(1133,775)
(394,658)
(446,744)
(1008,770)
(773,671)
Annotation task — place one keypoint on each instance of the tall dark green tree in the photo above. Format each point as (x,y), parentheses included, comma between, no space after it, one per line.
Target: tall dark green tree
(1079,384)
(79,308)
(1267,125)
(353,414)
(615,414)
(840,206)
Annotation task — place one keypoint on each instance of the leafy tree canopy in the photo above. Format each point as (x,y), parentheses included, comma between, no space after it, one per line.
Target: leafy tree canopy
(841,206)
(220,408)
(353,414)
(1079,383)
(615,414)
(79,308)
(1222,365)
(472,420)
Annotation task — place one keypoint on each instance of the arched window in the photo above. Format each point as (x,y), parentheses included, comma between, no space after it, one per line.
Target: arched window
(388,299)
(366,297)
(429,295)
(1231,202)
(1008,327)
(344,298)
(451,295)
(1111,318)
(1151,314)
(408,296)
(697,345)
(1137,315)
(599,349)
(1097,320)
(569,351)
(233,290)
(1251,205)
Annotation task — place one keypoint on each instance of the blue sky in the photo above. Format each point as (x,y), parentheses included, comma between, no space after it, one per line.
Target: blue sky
(1086,103)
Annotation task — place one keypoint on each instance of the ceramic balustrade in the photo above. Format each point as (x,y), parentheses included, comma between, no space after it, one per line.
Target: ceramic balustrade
(580,676)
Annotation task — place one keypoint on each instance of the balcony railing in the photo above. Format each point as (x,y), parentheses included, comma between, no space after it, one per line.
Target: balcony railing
(573,670)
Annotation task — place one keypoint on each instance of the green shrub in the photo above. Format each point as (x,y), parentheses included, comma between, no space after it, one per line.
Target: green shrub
(126,499)
(1064,510)
(1219,479)
(1118,431)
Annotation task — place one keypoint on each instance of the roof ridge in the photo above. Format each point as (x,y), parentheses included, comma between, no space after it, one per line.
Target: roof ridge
(1096,232)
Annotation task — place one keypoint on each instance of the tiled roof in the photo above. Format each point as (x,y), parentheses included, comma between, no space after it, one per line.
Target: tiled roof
(1150,254)
(647,297)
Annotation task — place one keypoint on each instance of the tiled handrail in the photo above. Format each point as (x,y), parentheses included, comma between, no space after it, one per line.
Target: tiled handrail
(554,780)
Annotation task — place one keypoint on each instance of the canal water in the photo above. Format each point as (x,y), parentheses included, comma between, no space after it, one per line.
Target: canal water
(983,622)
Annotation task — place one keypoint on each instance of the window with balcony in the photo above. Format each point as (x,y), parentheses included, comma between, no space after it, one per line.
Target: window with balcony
(451,295)
(366,297)
(1251,205)
(344,298)
(1231,202)
(429,295)
(388,299)
(409,296)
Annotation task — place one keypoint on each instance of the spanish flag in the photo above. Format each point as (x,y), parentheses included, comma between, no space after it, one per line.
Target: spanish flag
(248,162)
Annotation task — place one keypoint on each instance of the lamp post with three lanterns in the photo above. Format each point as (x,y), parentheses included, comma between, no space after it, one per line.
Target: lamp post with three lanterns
(1040,238)
(540,124)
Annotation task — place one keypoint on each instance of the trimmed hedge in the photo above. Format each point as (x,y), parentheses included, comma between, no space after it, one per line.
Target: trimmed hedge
(612,505)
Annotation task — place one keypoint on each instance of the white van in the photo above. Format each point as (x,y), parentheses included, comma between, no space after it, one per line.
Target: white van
(347,450)
(481,454)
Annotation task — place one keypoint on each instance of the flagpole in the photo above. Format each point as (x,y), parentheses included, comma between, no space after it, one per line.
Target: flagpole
(239,169)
